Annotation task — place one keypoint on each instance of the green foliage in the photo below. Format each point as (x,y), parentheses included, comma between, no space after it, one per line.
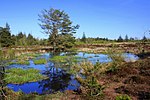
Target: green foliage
(24,59)
(21,62)
(57,24)
(7,40)
(5,56)
(40,61)
(5,36)
(89,84)
(126,38)
(120,39)
(83,38)
(144,39)
(63,58)
(80,42)
(27,56)
(31,40)
(93,88)
(58,58)
(123,97)
(116,57)
(19,76)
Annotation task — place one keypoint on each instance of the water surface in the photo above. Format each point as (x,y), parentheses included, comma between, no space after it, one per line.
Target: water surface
(59,79)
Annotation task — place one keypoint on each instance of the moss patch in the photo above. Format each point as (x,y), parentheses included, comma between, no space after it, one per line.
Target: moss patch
(64,59)
(21,62)
(19,76)
(40,61)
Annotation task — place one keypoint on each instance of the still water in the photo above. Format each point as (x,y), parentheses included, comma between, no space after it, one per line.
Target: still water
(59,79)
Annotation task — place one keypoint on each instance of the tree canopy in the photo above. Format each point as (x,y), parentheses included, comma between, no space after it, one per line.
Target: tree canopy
(5,36)
(58,25)
(83,38)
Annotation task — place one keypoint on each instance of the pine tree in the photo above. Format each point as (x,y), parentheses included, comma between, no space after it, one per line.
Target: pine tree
(83,38)
(5,36)
(126,38)
(120,39)
(57,24)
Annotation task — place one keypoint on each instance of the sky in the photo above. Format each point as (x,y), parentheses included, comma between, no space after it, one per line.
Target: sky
(97,18)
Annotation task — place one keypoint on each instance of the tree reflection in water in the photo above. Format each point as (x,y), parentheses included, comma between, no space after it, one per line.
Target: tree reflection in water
(58,80)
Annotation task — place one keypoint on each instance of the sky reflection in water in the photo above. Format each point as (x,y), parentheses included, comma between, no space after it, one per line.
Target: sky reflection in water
(58,79)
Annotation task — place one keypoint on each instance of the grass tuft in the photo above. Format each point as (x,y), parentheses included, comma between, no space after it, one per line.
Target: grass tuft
(40,61)
(64,59)
(19,76)
(21,62)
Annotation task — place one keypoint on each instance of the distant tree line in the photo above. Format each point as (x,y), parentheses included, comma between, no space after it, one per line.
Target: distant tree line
(84,39)
(58,26)
(63,40)
(126,39)
(8,39)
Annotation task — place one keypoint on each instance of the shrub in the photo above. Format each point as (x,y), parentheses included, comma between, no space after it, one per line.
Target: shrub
(89,83)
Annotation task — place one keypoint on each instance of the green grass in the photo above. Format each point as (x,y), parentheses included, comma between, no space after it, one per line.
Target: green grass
(123,97)
(64,59)
(19,76)
(24,59)
(19,62)
(40,61)
(28,56)
(59,58)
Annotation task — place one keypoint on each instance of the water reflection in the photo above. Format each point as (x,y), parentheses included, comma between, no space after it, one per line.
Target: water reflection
(59,79)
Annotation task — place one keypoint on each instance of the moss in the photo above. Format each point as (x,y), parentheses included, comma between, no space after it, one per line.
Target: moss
(28,56)
(40,61)
(19,62)
(19,76)
(58,58)
(64,59)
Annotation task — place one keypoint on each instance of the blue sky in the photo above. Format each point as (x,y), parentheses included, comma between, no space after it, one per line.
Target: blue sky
(97,18)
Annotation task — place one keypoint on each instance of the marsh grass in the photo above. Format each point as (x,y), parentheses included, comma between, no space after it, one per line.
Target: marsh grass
(19,76)
(40,61)
(21,62)
(58,58)
(11,95)
(24,59)
(28,56)
(63,59)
